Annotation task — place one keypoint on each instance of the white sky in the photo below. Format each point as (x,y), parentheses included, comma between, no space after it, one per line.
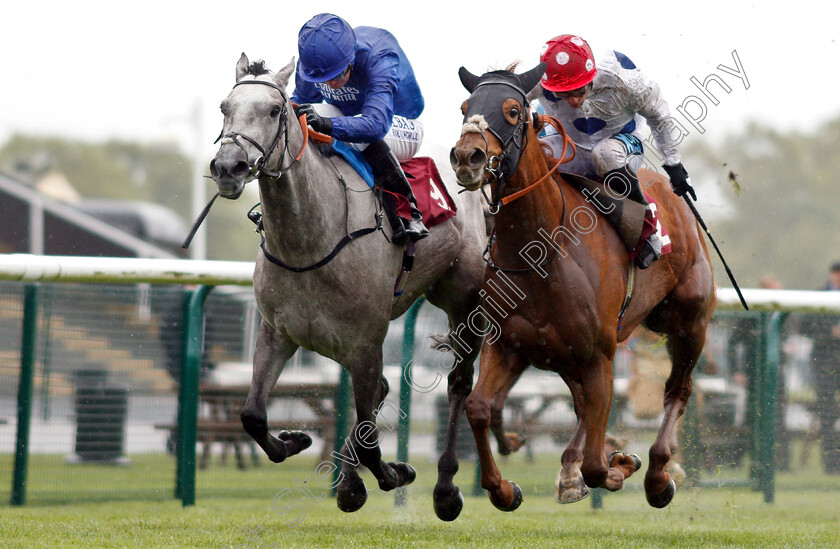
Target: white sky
(96,70)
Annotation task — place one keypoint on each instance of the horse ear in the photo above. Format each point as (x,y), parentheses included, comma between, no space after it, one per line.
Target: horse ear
(468,79)
(242,66)
(283,75)
(529,79)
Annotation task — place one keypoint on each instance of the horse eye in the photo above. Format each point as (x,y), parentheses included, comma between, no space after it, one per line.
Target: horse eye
(514,112)
(275,111)
(464,108)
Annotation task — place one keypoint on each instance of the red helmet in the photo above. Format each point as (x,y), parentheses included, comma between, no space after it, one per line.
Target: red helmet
(570,63)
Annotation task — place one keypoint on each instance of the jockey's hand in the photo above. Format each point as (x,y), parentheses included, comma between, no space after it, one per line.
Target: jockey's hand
(320,124)
(680,180)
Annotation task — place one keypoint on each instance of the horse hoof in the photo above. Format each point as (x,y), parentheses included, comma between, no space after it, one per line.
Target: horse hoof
(637,461)
(449,506)
(517,499)
(663,498)
(351,499)
(570,487)
(404,472)
(573,495)
(295,441)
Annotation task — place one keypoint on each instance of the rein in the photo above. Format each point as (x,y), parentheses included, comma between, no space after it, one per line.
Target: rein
(522,192)
(563,159)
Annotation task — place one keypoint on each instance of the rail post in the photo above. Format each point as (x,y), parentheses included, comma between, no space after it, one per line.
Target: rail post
(24,401)
(404,425)
(769,379)
(342,406)
(188,396)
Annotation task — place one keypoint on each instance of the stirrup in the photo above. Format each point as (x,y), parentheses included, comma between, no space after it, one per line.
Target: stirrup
(651,251)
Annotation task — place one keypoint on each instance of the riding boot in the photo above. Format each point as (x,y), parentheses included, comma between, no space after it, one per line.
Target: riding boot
(390,176)
(650,245)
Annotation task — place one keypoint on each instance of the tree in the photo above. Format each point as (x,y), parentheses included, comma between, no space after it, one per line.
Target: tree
(782,187)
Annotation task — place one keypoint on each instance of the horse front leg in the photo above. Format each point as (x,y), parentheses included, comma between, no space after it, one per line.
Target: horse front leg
(270,357)
(361,447)
(570,486)
(498,369)
(507,442)
(599,470)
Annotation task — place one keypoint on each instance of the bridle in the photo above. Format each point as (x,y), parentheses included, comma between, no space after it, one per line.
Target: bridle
(512,137)
(257,167)
(497,168)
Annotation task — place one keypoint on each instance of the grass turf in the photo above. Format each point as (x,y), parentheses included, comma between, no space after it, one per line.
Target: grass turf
(805,513)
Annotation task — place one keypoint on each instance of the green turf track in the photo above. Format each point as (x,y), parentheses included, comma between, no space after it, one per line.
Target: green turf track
(806,513)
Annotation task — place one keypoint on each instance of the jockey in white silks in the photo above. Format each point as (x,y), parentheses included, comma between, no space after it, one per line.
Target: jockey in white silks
(372,101)
(601,108)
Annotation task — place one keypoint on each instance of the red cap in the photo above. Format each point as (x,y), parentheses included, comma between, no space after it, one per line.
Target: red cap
(571,64)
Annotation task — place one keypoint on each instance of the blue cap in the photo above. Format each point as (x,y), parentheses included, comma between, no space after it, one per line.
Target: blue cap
(326,45)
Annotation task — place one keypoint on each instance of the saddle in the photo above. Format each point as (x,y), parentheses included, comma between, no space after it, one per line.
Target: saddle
(433,199)
(630,219)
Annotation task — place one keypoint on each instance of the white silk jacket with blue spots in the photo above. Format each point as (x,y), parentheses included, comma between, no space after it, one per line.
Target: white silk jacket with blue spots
(621,96)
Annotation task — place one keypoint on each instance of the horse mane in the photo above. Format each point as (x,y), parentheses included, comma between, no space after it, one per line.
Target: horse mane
(258,68)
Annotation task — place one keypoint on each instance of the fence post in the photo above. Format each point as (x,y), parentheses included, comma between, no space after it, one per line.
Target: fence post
(771,354)
(24,402)
(188,397)
(342,403)
(754,397)
(404,425)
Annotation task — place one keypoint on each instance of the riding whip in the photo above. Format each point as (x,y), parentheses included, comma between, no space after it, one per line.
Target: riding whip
(198,221)
(720,255)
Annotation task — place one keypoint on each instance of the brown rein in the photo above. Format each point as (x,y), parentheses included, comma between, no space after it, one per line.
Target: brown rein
(545,119)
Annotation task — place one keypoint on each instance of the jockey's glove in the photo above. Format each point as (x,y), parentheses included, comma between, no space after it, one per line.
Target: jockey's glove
(320,124)
(680,180)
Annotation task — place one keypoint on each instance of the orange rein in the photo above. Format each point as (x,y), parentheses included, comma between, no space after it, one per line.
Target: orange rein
(545,119)
(310,133)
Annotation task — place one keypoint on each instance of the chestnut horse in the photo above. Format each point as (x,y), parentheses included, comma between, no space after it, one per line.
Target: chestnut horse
(570,272)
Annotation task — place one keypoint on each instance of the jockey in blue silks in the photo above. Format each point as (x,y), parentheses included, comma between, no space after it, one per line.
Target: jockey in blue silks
(367,78)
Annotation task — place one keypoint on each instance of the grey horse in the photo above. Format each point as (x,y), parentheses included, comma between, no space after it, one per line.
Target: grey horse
(341,307)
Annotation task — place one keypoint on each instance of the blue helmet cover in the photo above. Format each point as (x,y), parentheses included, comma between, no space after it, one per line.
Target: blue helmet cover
(326,45)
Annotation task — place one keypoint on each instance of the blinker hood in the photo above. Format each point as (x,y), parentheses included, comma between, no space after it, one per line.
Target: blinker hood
(488,94)
(492,91)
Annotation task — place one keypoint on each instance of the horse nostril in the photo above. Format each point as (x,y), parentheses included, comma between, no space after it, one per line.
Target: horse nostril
(214,171)
(477,159)
(241,169)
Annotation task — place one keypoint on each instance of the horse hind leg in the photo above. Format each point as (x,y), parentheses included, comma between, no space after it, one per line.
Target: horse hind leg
(362,444)
(270,356)
(685,350)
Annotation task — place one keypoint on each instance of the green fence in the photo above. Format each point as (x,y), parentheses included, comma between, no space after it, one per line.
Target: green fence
(91,375)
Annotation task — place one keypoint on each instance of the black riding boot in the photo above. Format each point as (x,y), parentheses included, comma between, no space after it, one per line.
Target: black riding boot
(618,180)
(389,175)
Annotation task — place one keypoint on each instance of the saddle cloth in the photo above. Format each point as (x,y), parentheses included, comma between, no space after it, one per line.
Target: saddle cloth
(431,194)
